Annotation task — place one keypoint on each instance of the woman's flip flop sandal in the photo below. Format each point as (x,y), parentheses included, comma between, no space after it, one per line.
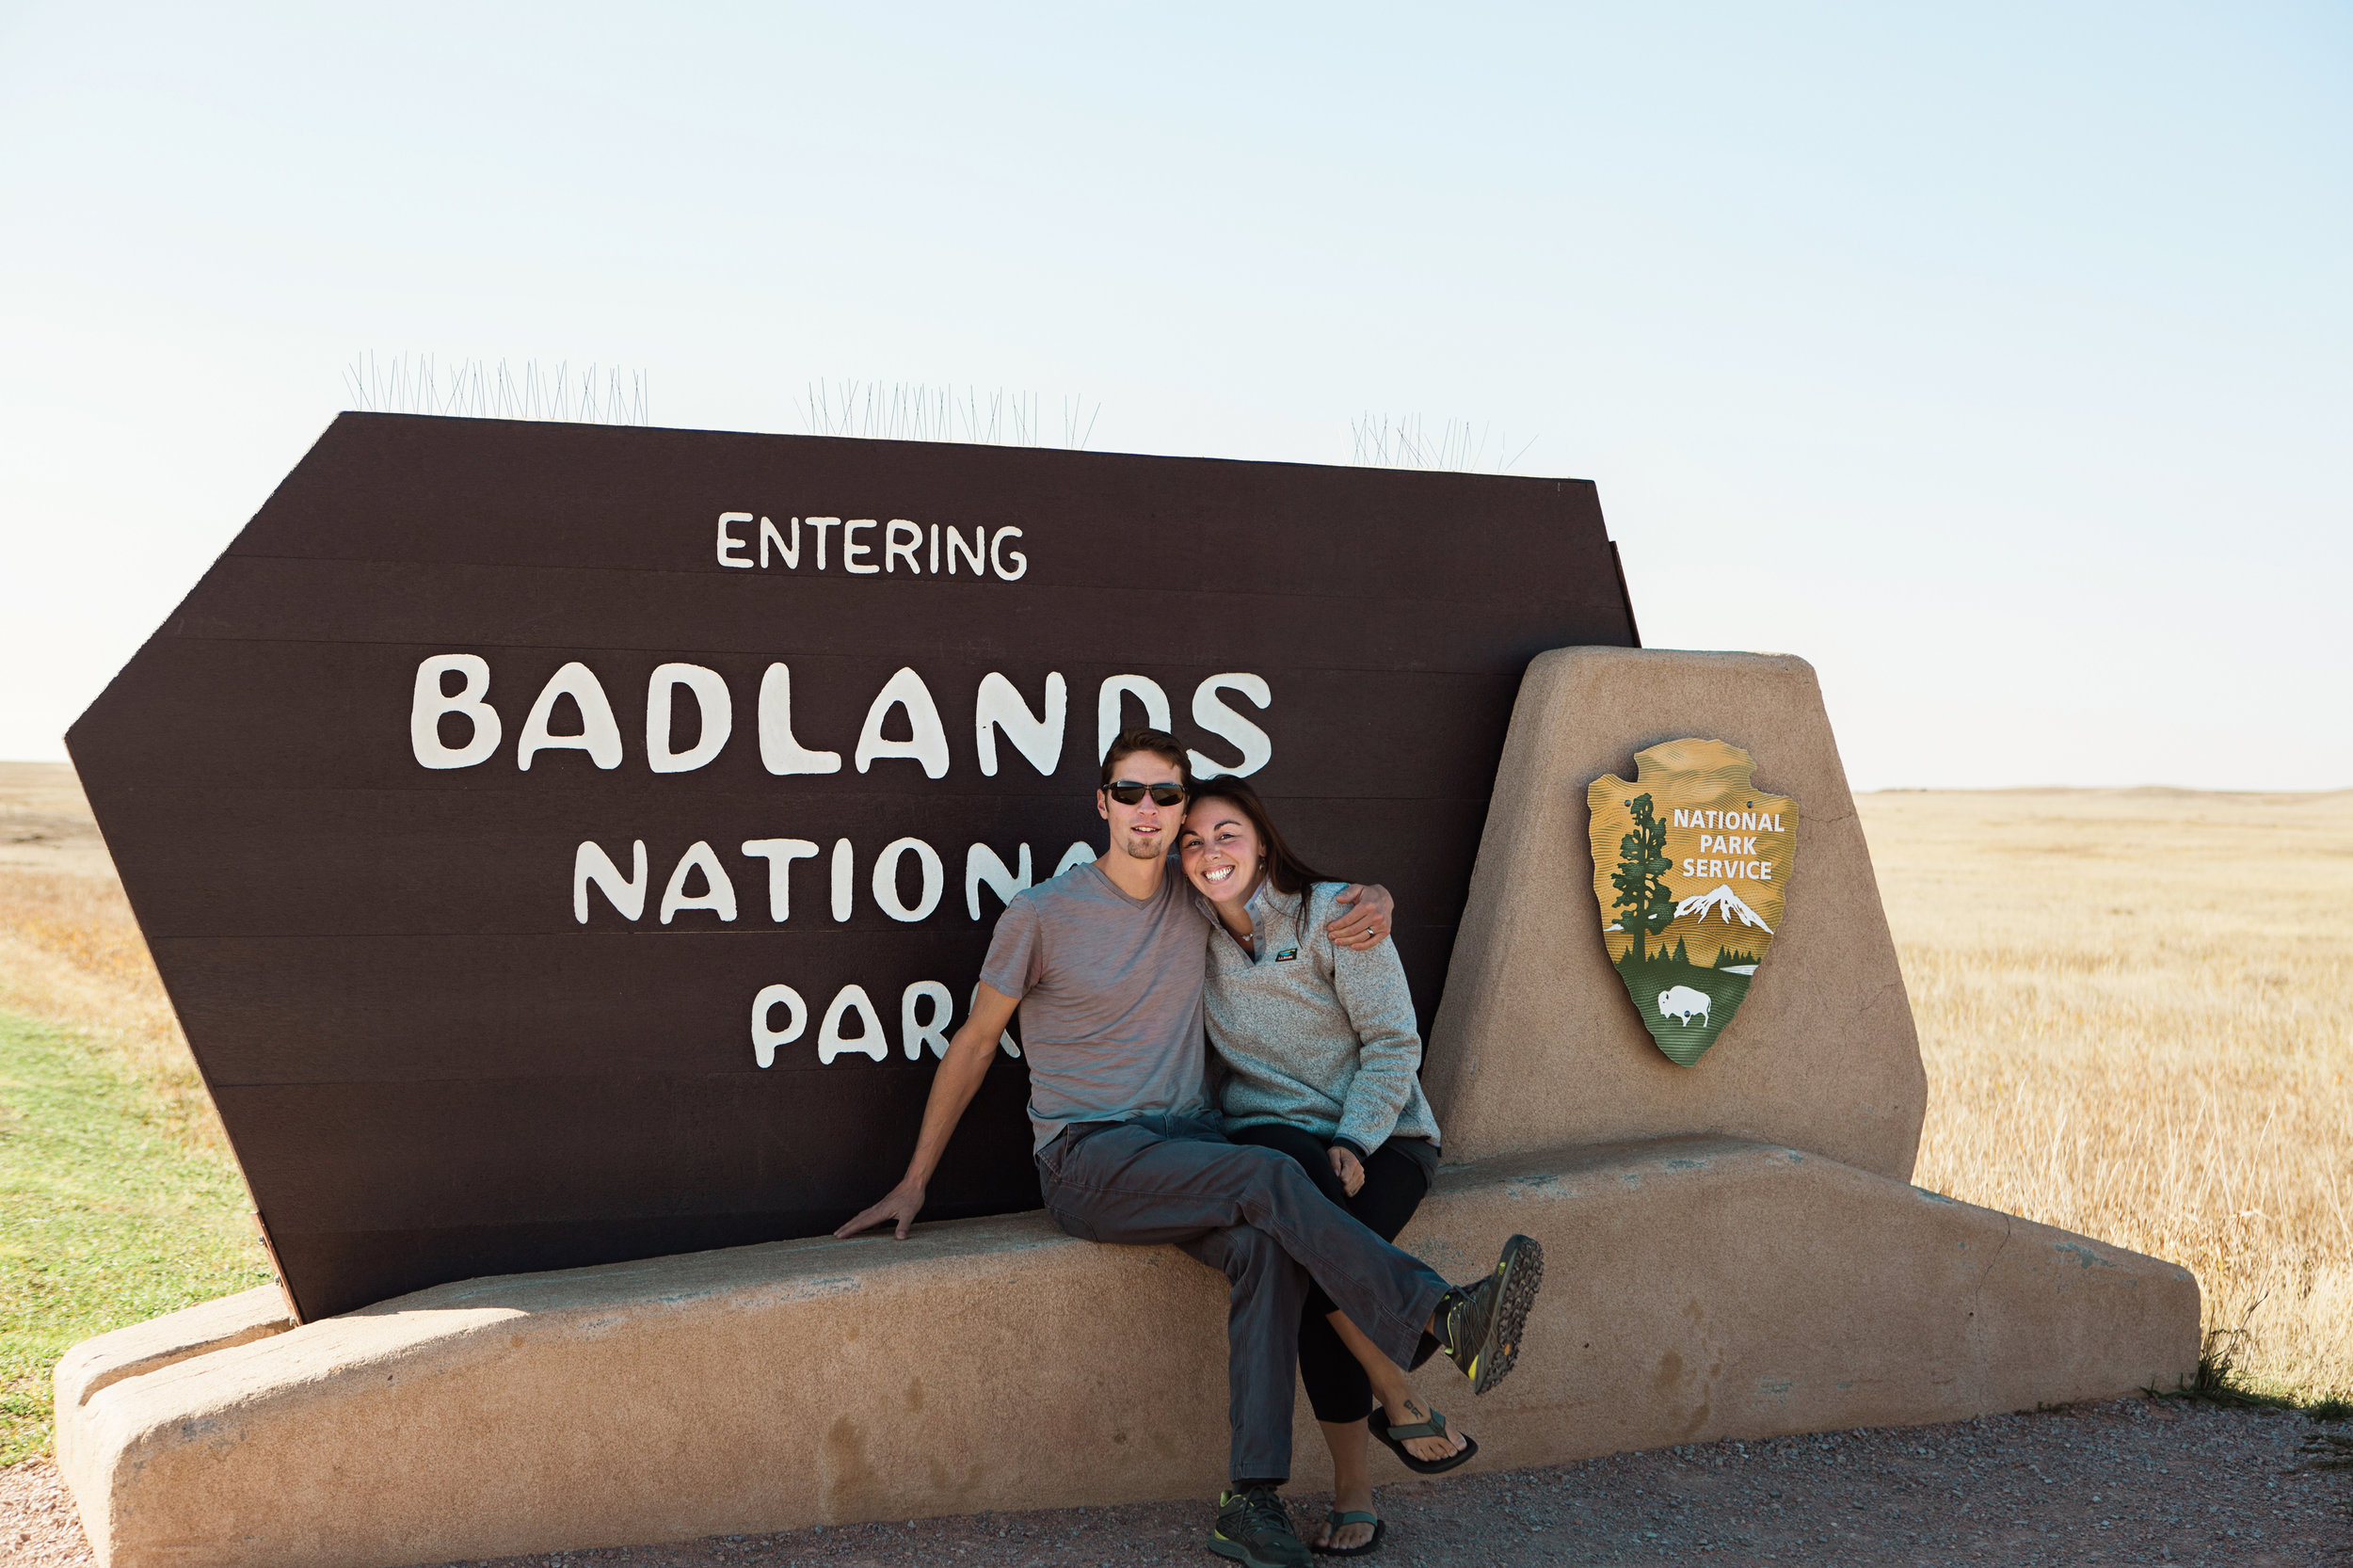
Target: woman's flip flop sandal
(1397,1437)
(1335,1519)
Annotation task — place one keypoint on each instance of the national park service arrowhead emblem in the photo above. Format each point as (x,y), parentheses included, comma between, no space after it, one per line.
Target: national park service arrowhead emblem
(1691,864)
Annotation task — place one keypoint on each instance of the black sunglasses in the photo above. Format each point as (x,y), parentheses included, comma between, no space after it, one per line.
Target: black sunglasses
(1127,792)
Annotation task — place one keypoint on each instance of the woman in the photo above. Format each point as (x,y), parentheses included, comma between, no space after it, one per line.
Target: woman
(1322,1063)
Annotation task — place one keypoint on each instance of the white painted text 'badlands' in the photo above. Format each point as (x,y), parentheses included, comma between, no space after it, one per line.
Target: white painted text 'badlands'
(998,712)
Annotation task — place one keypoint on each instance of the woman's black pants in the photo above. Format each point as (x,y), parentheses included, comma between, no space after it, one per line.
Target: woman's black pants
(1338,1388)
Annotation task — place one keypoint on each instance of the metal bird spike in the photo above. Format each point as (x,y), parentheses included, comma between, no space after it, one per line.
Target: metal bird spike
(921,412)
(1378,441)
(480,389)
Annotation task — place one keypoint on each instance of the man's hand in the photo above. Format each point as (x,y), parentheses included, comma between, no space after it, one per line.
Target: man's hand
(969,1050)
(1350,1169)
(901,1204)
(1367,927)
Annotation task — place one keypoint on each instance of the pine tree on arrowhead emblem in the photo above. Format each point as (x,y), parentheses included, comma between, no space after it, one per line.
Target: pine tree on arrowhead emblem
(1641,876)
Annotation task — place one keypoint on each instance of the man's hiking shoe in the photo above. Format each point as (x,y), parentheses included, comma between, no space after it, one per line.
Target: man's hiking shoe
(1254,1527)
(1482,1323)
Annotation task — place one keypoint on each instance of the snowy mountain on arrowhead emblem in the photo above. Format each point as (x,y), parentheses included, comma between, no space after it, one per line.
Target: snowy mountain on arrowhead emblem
(1691,866)
(1726,902)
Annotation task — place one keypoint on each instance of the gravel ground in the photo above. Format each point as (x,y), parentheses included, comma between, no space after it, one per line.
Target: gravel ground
(38,1528)
(2131,1481)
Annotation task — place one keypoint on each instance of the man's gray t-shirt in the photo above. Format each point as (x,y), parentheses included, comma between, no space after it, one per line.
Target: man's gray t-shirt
(1109,988)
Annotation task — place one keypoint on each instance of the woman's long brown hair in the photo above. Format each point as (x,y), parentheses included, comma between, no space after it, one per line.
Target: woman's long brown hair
(1284,867)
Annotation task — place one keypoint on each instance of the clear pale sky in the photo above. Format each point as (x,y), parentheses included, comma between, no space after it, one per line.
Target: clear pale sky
(1998,359)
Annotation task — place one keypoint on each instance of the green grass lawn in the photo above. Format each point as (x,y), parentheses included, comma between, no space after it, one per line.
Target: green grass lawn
(104,1219)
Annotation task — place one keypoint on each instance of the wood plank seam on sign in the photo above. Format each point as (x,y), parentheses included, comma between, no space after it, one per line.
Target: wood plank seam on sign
(395,1008)
(798,1059)
(743,927)
(783,1070)
(1511,667)
(783,582)
(321,815)
(568,780)
(1365,639)
(720,1199)
(668,651)
(541,898)
(1067,582)
(262,702)
(653,793)
(958,664)
(538,894)
(895,1063)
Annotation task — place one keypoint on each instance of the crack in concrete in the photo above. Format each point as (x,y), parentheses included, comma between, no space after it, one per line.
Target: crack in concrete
(1987,1273)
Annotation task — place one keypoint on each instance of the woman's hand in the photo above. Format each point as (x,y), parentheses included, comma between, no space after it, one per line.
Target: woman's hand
(1350,1169)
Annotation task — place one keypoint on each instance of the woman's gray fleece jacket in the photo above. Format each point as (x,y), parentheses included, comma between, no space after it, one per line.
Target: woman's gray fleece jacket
(1314,1034)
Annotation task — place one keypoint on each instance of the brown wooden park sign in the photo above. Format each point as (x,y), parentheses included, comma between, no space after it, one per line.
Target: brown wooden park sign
(569,843)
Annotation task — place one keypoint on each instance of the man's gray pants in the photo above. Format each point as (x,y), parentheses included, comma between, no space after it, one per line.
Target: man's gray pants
(1254,1215)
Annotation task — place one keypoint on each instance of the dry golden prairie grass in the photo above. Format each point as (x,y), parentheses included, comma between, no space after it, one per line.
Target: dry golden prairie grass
(71,953)
(2131,1005)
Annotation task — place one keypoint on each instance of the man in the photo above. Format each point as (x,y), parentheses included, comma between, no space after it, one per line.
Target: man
(1106,962)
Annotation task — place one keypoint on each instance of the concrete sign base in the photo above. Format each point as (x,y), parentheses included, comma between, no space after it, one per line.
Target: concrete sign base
(1699,1288)
(1734,1250)
(1536,1043)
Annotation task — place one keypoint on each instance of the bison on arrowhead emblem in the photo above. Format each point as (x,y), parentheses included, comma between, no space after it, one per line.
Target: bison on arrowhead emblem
(1691,863)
